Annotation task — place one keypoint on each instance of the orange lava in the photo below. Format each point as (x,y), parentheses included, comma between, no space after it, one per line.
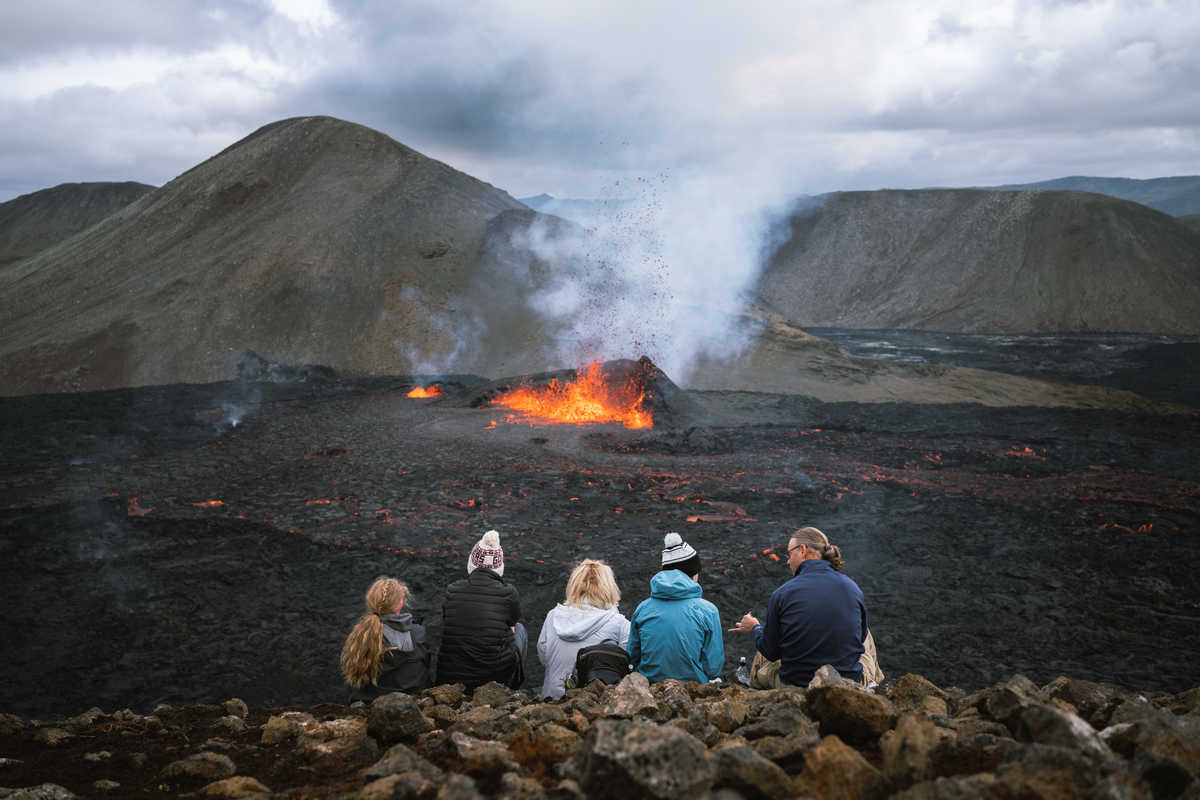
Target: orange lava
(209,504)
(425,391)
(587,399)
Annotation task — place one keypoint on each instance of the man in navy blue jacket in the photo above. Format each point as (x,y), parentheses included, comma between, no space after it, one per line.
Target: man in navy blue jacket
(816,618)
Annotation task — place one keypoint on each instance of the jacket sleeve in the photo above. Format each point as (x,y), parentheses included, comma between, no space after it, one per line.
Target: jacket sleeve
(543,646)
(635,643)
(623,632)
(766,635)
(713,656)
(514,608)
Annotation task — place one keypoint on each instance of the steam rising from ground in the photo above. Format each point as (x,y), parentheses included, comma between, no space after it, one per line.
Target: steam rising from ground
(666,274)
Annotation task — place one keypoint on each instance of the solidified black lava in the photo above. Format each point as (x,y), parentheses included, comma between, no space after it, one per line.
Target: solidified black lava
(153,550)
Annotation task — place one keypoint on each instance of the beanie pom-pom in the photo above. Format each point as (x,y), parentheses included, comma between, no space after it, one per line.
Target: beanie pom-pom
(491,540)
(672,539)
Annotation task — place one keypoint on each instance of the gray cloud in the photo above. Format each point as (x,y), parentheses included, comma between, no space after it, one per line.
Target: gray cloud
(572,98)
(50,27)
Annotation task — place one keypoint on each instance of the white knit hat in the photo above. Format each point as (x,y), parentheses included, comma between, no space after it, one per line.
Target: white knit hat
(487,553)
(678,554)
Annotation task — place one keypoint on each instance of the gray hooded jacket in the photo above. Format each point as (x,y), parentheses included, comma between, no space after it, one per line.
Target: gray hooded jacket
(569,629)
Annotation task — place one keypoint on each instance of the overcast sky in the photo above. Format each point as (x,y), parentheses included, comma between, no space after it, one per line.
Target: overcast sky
(578,99)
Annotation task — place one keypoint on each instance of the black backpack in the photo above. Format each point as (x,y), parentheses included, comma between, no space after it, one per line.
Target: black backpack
(607,662)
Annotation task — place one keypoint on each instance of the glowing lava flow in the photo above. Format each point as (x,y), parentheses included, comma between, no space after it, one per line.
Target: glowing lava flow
(587,399)
(425,391)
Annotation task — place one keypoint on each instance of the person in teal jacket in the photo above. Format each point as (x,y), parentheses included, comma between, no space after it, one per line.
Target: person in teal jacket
(675,632)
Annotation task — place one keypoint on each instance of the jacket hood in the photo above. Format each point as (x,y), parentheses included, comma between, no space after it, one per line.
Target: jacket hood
(574,624)
(671,584)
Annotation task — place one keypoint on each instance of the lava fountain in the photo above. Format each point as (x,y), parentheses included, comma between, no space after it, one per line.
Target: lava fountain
(591,397)
(433,390)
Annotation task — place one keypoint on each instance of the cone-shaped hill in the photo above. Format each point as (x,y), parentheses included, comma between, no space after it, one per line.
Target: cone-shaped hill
(313,240)
(32,222)
(986,261)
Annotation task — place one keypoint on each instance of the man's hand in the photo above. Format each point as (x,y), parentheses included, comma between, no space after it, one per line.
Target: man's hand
(745,624)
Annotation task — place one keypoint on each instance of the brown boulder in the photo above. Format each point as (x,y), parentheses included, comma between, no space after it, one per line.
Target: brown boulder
(915,693)
(286,726)
(411,785)
(908,749)
(494,694)
(400,758)
(396,717)
(725,715)
(630,698)
(236,707)
(1047,725)
(835,771)
(855,715)
(787,751)
(485,761)
(738,766)
(633,758)
(241,786)
(210,766)
(447,694)
(328,746)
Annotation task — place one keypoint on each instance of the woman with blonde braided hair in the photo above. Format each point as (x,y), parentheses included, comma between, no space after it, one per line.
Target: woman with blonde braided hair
(816,618)
(386,650)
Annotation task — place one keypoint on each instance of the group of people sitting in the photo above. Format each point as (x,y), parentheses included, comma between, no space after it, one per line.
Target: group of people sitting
(817,617)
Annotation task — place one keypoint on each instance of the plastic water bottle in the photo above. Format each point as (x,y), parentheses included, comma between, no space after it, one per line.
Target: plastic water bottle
(743,672)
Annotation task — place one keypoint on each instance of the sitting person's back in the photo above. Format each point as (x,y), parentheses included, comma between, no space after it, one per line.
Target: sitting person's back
(386,650)
(676,633)
(482,637)
(587,616)
(817,617)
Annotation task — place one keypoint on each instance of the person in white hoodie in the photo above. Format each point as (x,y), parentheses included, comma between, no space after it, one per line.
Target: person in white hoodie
(587,616)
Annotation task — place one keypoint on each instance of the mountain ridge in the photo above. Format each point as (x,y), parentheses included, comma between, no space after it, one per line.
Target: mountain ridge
(976,260)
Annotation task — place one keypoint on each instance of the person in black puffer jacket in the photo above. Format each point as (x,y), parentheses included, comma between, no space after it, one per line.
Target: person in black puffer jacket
(386,650)
(482,636)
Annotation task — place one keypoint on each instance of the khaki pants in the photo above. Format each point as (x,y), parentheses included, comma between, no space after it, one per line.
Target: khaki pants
(764,674)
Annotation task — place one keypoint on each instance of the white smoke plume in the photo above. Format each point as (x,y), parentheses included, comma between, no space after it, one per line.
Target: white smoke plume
(667,275)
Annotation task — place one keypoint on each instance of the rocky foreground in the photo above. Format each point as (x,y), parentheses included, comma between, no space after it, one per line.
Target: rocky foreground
(908,738)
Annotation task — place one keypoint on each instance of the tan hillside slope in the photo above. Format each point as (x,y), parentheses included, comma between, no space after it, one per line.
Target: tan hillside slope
(32,222)
(994,261)
(312,240)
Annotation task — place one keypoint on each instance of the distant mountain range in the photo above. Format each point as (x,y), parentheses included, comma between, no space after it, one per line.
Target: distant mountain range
(1178,196)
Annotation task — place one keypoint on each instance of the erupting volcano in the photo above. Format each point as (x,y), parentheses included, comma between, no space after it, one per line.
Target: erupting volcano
(591,397)
(425,391)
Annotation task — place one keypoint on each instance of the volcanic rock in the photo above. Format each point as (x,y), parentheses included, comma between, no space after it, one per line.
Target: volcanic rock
(836,771)
(854,715)
(908,749)
(784,358)
(240,786)
(33,222)
(396,717)
(737,766)
(642,759)
(631,697)
(212,766)
(973,260)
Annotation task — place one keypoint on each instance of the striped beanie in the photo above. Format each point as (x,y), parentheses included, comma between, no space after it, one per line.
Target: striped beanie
(678,554)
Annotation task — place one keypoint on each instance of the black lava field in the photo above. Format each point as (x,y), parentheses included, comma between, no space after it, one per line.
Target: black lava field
(152,550)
